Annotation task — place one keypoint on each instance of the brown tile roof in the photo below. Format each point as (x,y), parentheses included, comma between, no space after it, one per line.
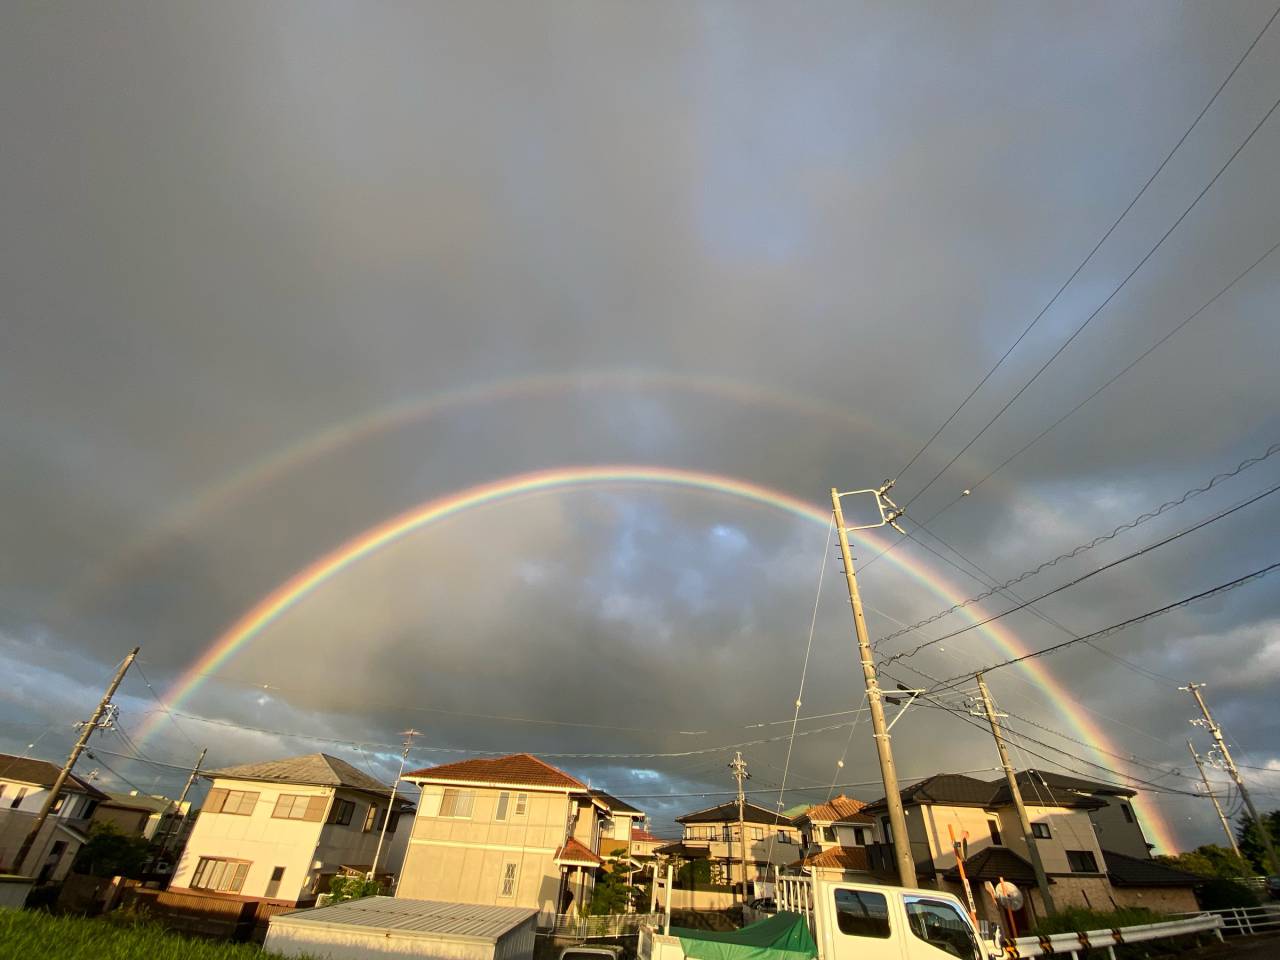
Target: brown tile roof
(516,770)
(313,768)
(643,835)
(42,773)
(575,854)
(837,858)
(839,809)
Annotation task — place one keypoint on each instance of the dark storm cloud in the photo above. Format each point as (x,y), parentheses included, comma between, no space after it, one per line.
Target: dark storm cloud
(230,228)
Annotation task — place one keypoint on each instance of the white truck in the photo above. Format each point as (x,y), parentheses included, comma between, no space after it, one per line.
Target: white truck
(848,921)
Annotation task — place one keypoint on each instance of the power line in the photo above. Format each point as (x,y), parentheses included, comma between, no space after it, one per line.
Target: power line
(1092,573)
(164,707)
(1116,627)
(1080,329)
(1097,246)
(1071,554)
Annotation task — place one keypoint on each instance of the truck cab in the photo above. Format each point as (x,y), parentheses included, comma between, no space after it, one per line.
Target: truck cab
(855,921)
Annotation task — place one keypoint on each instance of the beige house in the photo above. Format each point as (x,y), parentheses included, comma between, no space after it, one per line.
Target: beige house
(617,826)
(713,834)
(509,831)
(141,815)
(833,838)
(279,830)
(24,785)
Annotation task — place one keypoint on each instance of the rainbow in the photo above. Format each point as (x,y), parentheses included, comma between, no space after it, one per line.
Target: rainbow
(288,594)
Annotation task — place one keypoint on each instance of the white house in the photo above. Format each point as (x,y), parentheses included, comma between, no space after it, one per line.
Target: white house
(279,830)
(24,785)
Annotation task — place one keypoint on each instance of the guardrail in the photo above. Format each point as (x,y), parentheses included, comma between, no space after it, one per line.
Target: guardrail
(1247,920)
(1071,944)
(572,926)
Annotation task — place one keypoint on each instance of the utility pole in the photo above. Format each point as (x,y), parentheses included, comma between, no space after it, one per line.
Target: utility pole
(104,709)
(382,835)
(1011,777)
(892,796)
(1194,689)
(739,768)
(182,797)
(1226,827)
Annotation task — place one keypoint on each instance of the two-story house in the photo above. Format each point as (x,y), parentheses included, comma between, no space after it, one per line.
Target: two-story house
(833,838)
(713,834)
(159,819)
(508,831)
(24,785)
(279,830)
(616,826)
(1115,822)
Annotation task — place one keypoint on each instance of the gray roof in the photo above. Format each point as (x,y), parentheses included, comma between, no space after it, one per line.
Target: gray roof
(430,919)
(728,813)
(614,804)
(1126,871)
(1062,781)
(140,801)
(42,773)
(319,769)
(957,790)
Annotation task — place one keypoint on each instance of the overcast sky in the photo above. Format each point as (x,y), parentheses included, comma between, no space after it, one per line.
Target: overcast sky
(272,274)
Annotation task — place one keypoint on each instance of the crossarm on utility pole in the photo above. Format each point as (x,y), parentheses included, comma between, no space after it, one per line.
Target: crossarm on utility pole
(1222,817)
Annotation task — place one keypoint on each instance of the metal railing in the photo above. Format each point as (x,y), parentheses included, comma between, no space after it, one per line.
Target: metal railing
(570,925)
(1246,920)
(1073,944)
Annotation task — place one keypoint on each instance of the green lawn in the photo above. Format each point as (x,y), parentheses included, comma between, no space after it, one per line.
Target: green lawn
(32,935)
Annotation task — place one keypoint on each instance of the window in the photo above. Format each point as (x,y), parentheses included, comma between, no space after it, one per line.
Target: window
(522,804)
(17,798)
(2,786)
(860,913)
(785,836)
(273,886)
(219,875)
(89,807)
(508,886)
(341,812)
(1128,814)
(828,834)
(371,818)
(297,806)
(504,802)
(238,802)
(888,832)
(457,803)
(393,821)
(1082,861)
(941,925)
(860,836)
(59,804)
(994,827)
(1040,831)
(757,833)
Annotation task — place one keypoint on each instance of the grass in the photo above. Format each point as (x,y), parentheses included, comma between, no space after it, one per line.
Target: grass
(34,935)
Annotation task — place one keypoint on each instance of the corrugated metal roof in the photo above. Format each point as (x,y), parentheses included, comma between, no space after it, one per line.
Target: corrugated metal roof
(426,918)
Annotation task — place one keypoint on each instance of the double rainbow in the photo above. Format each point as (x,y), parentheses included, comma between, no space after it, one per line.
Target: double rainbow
(312,577)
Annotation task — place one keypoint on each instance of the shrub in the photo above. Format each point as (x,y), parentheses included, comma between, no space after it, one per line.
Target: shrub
(352,888)
(1220,893)
(1078,920)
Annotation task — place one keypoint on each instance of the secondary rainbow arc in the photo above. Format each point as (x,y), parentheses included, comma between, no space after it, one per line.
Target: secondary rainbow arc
(289,593)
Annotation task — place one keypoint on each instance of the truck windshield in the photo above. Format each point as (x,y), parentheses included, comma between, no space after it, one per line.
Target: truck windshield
(860,913)
(941,924)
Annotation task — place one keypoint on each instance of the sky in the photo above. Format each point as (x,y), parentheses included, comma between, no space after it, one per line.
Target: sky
(274,274)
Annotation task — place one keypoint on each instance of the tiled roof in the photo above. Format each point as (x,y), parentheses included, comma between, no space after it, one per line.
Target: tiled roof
(42,773)
(140,801)
(1042,792)
(838,858)
(575,854)
(947,788)
(643,835)
(614,804)
(728,813)
(1064,782)
(957,790)
(994,863)
(516,770)
(1125,871)
(839,809)
(314,768)
(686,851)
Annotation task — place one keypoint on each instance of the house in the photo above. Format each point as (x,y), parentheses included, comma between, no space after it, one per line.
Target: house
(24,785)
(644,843)
(279,830)
(1115,823)
(985,822)
(616,826)
(1144,882)
(713,834)
(833,838)
(509,831)
(140,815)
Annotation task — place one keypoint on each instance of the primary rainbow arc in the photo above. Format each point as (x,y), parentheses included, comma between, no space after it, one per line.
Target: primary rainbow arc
(288,594)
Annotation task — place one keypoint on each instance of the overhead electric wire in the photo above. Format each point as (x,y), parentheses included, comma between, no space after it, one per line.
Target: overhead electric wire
(1096,247)
(1116,627)
(1076,551)
(1089,319)
(1086,576)
(165,707)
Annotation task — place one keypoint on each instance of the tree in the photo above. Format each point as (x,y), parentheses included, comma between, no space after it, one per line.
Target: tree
(110,853)
(1210,860)
(352,888)
(1250,840)
(611,894)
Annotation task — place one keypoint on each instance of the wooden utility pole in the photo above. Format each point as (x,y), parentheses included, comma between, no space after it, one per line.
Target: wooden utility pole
(1222,817)
(892,796)
(1011,777)
(86,729)
(739,768)
(382,834)
(182,797)
(1274,861)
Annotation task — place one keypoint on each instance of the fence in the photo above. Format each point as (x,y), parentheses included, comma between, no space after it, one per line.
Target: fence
(1246,920)
(1071,944)
(198,915)
(572,926)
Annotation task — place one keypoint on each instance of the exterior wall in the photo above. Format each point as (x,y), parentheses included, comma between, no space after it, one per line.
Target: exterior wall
(1090,892)
(462,859)
(1116,833)
(1160,899)
(1068,830)
(15,822)
(972,820)
(265,841)
(126,820)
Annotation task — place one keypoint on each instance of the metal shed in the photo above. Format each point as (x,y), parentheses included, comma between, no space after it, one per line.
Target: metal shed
(393,927)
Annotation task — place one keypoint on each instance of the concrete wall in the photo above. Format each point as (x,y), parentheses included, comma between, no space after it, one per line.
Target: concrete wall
(463,859)
(1160,899)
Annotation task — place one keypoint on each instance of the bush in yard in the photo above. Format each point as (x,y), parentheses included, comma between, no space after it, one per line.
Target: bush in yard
(352,888)
(1078,920)
(110,853)
(1221,893)
(1209,860)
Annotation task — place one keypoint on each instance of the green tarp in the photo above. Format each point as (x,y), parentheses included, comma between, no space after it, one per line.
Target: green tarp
(784,936)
